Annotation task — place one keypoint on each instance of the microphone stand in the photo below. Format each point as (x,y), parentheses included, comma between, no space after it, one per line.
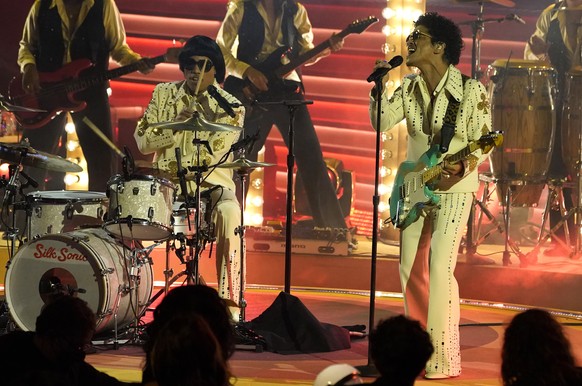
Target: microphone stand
(369,370)
(292,106)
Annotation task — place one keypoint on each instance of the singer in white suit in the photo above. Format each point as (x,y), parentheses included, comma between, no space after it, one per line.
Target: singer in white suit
(429,245)
(202,63)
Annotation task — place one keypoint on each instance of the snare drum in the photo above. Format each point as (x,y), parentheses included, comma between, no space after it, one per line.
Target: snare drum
(523,95)
(87,263)
(140,208)
(63,211)
(184,219)
(572,122)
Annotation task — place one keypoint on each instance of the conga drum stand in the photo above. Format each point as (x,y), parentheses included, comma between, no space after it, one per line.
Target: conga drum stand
(556,197)
(508,243)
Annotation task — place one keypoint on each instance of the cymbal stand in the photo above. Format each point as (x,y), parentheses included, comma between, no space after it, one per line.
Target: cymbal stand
(243,174)
(478,28)
(11,187)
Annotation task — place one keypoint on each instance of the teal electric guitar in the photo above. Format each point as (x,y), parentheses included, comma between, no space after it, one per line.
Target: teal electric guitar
(416,181)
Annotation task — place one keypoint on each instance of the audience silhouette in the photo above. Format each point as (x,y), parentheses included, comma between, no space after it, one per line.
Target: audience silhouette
(53,354)
(187,353)
(399,348)
(536,352)
(187,300)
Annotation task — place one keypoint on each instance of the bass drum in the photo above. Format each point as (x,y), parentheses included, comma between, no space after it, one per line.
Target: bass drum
(523,108)
(87,263)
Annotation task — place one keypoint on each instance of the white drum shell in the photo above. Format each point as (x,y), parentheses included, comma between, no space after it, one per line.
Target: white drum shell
(140,208)
(63,211)
(87,259)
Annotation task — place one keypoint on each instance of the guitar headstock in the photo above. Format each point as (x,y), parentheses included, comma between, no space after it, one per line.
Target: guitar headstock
(359,26)
(490,140)
(172,53)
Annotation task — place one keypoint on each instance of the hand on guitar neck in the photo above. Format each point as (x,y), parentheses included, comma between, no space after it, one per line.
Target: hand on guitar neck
(256,79)
(55,91)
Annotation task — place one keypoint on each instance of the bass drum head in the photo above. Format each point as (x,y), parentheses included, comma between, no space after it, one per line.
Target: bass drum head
(86,263)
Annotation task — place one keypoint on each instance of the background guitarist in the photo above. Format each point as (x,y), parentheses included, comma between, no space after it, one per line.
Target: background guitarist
(263,27)
(57,32)
(429,245)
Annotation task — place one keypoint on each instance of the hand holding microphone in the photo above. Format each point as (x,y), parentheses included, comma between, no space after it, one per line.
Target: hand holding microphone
(383,67)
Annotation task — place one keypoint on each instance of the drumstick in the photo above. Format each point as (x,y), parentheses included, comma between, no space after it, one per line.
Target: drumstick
(200,77)
(103,137)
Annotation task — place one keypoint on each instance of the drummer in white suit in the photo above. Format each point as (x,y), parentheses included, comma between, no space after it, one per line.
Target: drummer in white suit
(203,66)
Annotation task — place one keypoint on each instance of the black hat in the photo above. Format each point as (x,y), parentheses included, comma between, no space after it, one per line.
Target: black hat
(200,45)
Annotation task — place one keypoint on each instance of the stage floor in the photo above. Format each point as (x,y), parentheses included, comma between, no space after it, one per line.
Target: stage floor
(336,290)
(481,339)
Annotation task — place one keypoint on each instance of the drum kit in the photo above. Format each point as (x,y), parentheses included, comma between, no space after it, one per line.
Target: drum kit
(524,95)
(90,244)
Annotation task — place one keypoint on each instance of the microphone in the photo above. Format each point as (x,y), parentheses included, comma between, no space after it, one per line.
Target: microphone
(380,72)
(244,142)
(513,16)
(222,102)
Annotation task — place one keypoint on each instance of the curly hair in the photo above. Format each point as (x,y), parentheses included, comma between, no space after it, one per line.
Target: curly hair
(400,348)
(537,352)
(445,31)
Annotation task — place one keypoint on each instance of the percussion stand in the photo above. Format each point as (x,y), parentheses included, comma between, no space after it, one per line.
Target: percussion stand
(508,242)
(243,174)
(477,28)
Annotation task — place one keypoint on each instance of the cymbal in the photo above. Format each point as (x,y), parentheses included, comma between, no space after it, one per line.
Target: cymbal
(196,123)
(243,163)
(19,153)
(505,3)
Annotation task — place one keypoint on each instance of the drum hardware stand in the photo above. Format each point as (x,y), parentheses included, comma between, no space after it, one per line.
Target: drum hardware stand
(508,242)
(556,195)
(195,245)
(478,28)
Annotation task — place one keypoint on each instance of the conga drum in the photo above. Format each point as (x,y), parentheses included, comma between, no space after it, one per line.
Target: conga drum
(523,96)
(572,122)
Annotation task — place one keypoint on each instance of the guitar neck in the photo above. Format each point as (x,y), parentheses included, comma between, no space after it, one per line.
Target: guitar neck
(92,80)
(307,56)
(436,170)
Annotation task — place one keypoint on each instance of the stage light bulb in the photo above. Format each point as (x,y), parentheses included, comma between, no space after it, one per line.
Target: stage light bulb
(257,183)
(257,219)
(72,145)
(70,127)
(382,189)
(257,201)
(109,91)
(71,179)
(387,13)
(383,207)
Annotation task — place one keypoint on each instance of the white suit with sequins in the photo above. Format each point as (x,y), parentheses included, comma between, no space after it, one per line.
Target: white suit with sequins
(429,246)
(167,101)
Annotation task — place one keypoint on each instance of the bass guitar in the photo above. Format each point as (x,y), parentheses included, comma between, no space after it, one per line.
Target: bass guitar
(274,70)
(415,182)
(59,88)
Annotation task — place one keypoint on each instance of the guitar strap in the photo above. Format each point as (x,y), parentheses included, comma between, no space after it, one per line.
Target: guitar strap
(450,121)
